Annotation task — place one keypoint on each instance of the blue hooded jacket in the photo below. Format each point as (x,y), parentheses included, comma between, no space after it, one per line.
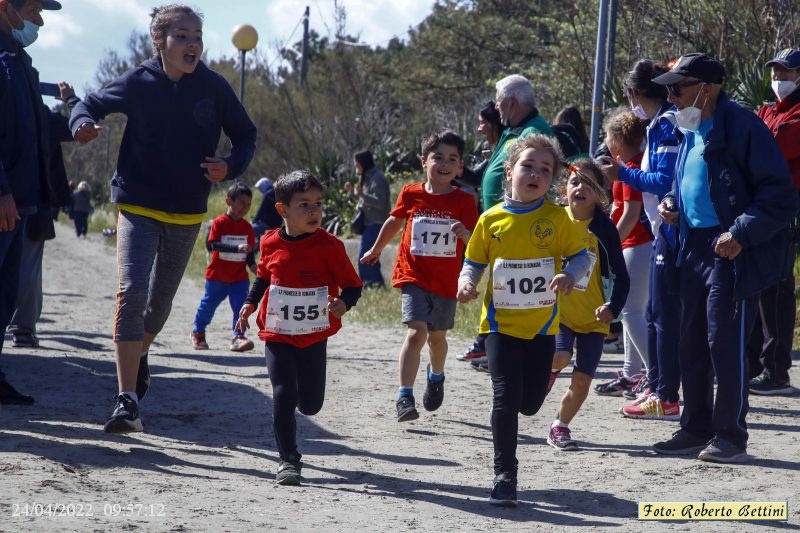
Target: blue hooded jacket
(172,127)
(752,194)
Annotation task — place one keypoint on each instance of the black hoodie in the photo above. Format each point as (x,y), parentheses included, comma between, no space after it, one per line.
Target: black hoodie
(172,127)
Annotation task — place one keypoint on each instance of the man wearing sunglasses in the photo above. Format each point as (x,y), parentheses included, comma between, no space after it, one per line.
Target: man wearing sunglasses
(769,348)
(733,200)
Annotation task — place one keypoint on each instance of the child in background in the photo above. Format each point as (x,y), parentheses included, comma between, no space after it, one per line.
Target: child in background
(81,208)
(437,219)
(625,136)
(303,266)
(522,240)
(230,241)
(587,312)
(176,109)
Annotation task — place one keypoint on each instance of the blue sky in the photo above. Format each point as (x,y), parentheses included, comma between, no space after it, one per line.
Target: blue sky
(73,40)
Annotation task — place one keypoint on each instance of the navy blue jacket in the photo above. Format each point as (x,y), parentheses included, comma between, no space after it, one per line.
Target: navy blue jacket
(24,158)
(612,262)
(172,127)
(752,193)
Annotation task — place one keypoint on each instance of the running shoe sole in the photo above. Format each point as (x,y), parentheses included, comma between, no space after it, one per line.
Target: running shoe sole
(571,447)
(122,426)
(733,459)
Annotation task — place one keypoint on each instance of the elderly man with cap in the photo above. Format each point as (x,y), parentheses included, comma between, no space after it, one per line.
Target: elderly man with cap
(769,348)
(23,156)
(733,201)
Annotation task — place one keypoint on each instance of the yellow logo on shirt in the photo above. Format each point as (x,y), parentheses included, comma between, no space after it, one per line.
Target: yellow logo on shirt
(542,233)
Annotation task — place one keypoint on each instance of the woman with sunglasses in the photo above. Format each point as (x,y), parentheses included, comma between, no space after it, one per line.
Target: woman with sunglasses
(648,101)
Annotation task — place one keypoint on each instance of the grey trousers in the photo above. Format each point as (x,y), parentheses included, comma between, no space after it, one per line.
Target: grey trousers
(151,259)
(29,294)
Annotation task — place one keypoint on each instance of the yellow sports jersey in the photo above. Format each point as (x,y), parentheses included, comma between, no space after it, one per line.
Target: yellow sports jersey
(522,250)
(578,308)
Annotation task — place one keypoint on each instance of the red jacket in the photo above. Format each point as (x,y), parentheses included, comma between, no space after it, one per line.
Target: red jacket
(783,120)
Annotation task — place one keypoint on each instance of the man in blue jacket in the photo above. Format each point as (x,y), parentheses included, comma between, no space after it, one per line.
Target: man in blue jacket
(733,203)
(23,162)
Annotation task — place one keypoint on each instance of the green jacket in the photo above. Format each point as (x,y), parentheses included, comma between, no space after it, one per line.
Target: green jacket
(495,173)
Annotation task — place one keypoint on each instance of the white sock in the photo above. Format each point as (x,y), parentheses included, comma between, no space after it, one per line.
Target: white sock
(133,396)
(558,423)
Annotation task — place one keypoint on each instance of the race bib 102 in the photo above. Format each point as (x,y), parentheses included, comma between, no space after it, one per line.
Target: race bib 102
(523,283)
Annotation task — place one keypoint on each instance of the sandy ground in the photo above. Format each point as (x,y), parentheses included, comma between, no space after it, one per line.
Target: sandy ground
(207,458)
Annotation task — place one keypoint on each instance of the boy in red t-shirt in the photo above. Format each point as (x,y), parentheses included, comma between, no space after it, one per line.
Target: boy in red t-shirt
(230,241)
(438,220)
(304,267)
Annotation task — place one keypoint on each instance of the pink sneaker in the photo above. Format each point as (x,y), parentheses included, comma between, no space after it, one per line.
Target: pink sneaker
(653,408)
(561,439)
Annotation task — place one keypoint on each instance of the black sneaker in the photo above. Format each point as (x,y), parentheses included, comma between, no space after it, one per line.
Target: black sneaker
(723,451)
(125,418)
(504,491)
(11,396)
(480,366)
(289,472)
(434,393)
(143,378)
(765,385)
(681,443)
(406,410)
(24,340)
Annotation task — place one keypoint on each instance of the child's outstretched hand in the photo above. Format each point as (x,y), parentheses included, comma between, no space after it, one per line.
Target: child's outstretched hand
(370,257)
(604,314)
(87,131)
(563,283)
(242,325)
(466,293)
(216,168)
(461,231)
(336,306)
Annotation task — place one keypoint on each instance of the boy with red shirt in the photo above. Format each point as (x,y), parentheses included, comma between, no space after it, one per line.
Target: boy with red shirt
(230,241)
(303,266)
(437,219)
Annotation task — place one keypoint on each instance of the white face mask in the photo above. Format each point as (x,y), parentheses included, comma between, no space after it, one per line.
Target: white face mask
(689,118)
(640,113)
(783,88)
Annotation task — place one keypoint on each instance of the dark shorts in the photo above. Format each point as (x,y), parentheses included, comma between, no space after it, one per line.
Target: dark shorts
(420,305)
(589,348)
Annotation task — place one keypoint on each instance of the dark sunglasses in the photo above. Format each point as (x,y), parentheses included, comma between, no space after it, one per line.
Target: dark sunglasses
(675,88)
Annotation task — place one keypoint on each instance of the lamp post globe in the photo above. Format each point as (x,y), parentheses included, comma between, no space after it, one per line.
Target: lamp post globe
(244,38)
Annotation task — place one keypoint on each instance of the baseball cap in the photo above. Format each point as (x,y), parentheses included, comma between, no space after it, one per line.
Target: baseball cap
(787,58)
(701,66)
(264,185)
(51,5)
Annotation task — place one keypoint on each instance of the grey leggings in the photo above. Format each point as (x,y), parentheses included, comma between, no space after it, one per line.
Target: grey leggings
(151,259)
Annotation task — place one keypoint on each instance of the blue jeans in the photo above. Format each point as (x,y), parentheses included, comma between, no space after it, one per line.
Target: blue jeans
(10,259)
(370,274)
(216,292)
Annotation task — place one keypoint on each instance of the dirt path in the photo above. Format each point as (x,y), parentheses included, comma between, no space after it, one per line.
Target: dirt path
(207,459)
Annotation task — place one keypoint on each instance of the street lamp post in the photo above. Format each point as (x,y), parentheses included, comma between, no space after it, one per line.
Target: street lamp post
(244,38)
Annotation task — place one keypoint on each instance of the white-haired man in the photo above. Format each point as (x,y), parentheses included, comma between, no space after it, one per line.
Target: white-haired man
(516,102)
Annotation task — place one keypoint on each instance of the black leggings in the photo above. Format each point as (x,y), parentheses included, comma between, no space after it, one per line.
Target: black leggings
(520,370)
(298,381)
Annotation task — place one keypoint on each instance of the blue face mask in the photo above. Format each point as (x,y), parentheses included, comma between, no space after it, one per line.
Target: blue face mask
(27,35)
